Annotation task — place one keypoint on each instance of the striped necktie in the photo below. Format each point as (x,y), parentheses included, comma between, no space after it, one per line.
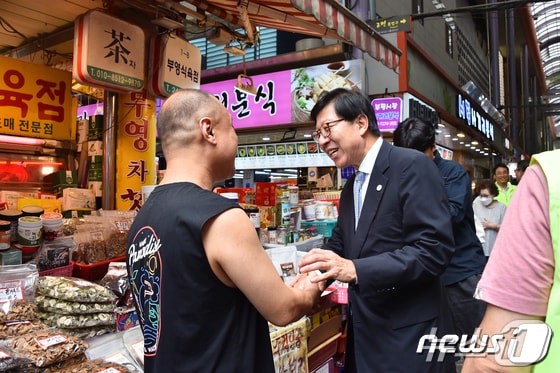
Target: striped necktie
(358,182)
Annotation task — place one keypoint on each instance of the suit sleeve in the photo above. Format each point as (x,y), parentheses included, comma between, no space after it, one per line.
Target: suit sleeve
(457,185)
(417,245)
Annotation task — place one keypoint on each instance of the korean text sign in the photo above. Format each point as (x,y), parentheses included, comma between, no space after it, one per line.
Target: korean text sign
(35,100)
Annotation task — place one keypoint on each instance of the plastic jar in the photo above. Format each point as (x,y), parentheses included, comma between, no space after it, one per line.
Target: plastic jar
(294,195)
(5,228)
(322,210)
(309,209)
(32,211)
(12,216)
(30,231)
(52,226)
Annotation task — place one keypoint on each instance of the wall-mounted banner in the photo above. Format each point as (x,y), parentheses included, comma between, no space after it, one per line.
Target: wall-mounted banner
(174,64)
(287,96)
(388,112)
(108,52)
(35,100)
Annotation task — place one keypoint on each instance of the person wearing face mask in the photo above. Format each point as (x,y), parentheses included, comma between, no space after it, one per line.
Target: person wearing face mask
(490,213)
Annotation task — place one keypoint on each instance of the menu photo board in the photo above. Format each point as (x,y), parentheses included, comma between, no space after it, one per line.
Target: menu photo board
(175,64)
(108,52)
(281,155)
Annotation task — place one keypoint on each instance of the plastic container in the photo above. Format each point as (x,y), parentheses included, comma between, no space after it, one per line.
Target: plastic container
(32,211)
(95,271)
(12,216)
(5,229)
(52,226)
(30,231)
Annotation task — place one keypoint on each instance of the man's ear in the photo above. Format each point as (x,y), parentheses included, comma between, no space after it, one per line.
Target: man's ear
(207,128)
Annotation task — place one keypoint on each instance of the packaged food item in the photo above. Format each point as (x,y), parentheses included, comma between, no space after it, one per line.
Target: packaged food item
(64,307)
(77,321)
(17,291)
(74,289)
(47,347)
(12,329)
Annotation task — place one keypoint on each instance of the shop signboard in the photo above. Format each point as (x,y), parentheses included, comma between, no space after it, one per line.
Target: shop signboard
(474,117)
(414,107)
(388,112)
(35,100)
(136,149)
(175,64)
(285,97)
(108,52)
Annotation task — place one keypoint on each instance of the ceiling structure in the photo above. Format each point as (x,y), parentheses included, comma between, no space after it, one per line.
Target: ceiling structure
(546,16)
(44,30)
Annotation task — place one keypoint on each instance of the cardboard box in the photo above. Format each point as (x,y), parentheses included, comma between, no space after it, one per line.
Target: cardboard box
(11,197)
(48,205)
(77,199)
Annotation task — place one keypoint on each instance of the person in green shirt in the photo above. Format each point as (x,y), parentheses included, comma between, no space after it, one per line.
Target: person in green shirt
(505,188)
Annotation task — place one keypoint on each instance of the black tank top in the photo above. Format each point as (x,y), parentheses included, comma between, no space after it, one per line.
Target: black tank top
(191,321)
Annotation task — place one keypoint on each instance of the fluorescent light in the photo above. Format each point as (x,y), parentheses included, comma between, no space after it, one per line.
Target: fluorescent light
(21,140)
(460,134)
(266,138)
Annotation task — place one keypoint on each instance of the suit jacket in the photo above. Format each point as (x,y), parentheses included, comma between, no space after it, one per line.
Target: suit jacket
(403,243)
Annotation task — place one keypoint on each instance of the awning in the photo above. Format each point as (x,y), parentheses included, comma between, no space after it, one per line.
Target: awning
(321,18)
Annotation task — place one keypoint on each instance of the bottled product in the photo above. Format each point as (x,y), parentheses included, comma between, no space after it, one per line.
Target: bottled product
(30,231)
(52,226)
(12,216)
(32,211)
(5,227)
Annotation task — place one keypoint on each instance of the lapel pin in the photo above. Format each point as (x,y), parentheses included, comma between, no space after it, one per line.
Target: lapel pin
(379,187)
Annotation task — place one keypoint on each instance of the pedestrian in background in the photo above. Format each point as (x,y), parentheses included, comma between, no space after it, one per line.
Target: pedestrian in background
(520,169)
(520,280)
(392,251)
(490,212)
(464,271)
(202,284)
(505,187)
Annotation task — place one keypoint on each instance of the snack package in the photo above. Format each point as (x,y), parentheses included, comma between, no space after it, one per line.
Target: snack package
(54,254)
(18,284)
(74,289)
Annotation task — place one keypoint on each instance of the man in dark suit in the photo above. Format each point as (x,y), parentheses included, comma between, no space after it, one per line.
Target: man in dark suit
(393,253)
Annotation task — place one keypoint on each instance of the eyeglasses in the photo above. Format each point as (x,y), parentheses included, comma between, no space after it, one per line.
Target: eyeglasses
(325,130)
(486,195)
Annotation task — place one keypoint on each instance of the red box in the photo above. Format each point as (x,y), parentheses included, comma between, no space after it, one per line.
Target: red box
(95,271)
(58,271)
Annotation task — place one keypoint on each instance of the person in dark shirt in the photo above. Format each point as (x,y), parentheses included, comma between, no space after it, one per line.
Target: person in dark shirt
(468,261)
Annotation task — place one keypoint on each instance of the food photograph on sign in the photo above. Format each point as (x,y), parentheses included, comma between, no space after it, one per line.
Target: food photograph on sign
(308,83)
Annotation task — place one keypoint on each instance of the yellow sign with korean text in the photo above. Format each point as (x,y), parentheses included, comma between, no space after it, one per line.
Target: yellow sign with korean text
(136,148)
(35,100)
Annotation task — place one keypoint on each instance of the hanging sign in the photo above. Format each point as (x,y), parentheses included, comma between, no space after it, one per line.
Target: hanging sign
(175,65)
(35,100)
(388,112)
(108,52)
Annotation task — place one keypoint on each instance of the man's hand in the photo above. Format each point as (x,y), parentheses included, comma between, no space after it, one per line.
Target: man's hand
(331,266)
